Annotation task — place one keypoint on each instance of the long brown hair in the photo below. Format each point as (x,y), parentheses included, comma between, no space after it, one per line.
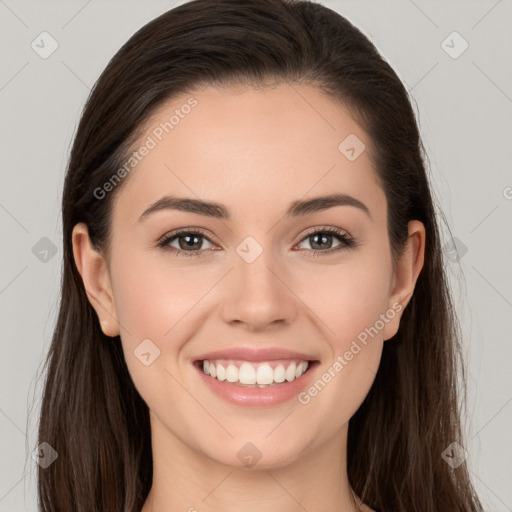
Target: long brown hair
(91,413)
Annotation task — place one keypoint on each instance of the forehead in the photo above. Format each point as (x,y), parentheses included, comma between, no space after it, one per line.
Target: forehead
(250,148)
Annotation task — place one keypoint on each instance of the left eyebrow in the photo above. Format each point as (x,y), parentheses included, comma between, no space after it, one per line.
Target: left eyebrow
(318,204)
(220,211)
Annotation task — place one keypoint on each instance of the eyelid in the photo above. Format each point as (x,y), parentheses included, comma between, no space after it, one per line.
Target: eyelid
(187,230)
(339,231)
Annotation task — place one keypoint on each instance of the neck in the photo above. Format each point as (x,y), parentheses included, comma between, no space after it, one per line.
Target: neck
(185,479)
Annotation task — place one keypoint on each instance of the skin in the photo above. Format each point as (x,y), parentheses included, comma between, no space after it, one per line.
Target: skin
(255,151)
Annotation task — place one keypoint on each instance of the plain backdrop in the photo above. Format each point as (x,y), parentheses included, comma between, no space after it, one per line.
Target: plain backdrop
(463,101)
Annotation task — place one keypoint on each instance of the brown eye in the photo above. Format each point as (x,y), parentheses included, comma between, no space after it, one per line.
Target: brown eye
(321,241)
(190,242)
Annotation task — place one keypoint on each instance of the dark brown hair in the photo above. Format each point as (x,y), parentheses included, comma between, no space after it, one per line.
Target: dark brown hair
(91,412)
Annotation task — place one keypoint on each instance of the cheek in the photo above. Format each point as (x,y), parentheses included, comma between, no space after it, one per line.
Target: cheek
(351,303)
(153,304)
(162,301)
(352,310)
(347,298)
(152,296)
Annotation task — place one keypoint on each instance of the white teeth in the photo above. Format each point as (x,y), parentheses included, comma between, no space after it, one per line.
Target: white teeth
(300,370)
(221,372)
(232,373)
(262,375)
(290,372)
(247,374)
(279,373)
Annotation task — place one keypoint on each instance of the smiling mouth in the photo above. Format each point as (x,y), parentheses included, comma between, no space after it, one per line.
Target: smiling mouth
(249,374)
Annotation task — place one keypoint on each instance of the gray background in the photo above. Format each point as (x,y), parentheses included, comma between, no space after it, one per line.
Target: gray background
(464,107)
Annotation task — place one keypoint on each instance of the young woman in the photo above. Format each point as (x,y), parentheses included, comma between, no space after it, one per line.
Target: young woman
(254,308)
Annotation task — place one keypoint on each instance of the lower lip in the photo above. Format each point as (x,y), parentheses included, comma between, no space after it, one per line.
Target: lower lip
(258,397)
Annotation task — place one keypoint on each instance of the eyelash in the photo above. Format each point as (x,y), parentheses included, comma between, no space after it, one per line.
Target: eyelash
(347,242)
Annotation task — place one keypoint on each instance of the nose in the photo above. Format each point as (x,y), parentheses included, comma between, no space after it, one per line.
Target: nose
(258,295)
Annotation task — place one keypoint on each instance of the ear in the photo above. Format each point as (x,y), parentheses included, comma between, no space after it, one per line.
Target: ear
(94,272)
(406,273)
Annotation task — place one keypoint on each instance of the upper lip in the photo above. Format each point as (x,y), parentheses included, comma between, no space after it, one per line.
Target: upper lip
(255,355)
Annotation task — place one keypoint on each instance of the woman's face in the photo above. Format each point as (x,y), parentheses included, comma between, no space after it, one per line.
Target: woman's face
(254,277)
